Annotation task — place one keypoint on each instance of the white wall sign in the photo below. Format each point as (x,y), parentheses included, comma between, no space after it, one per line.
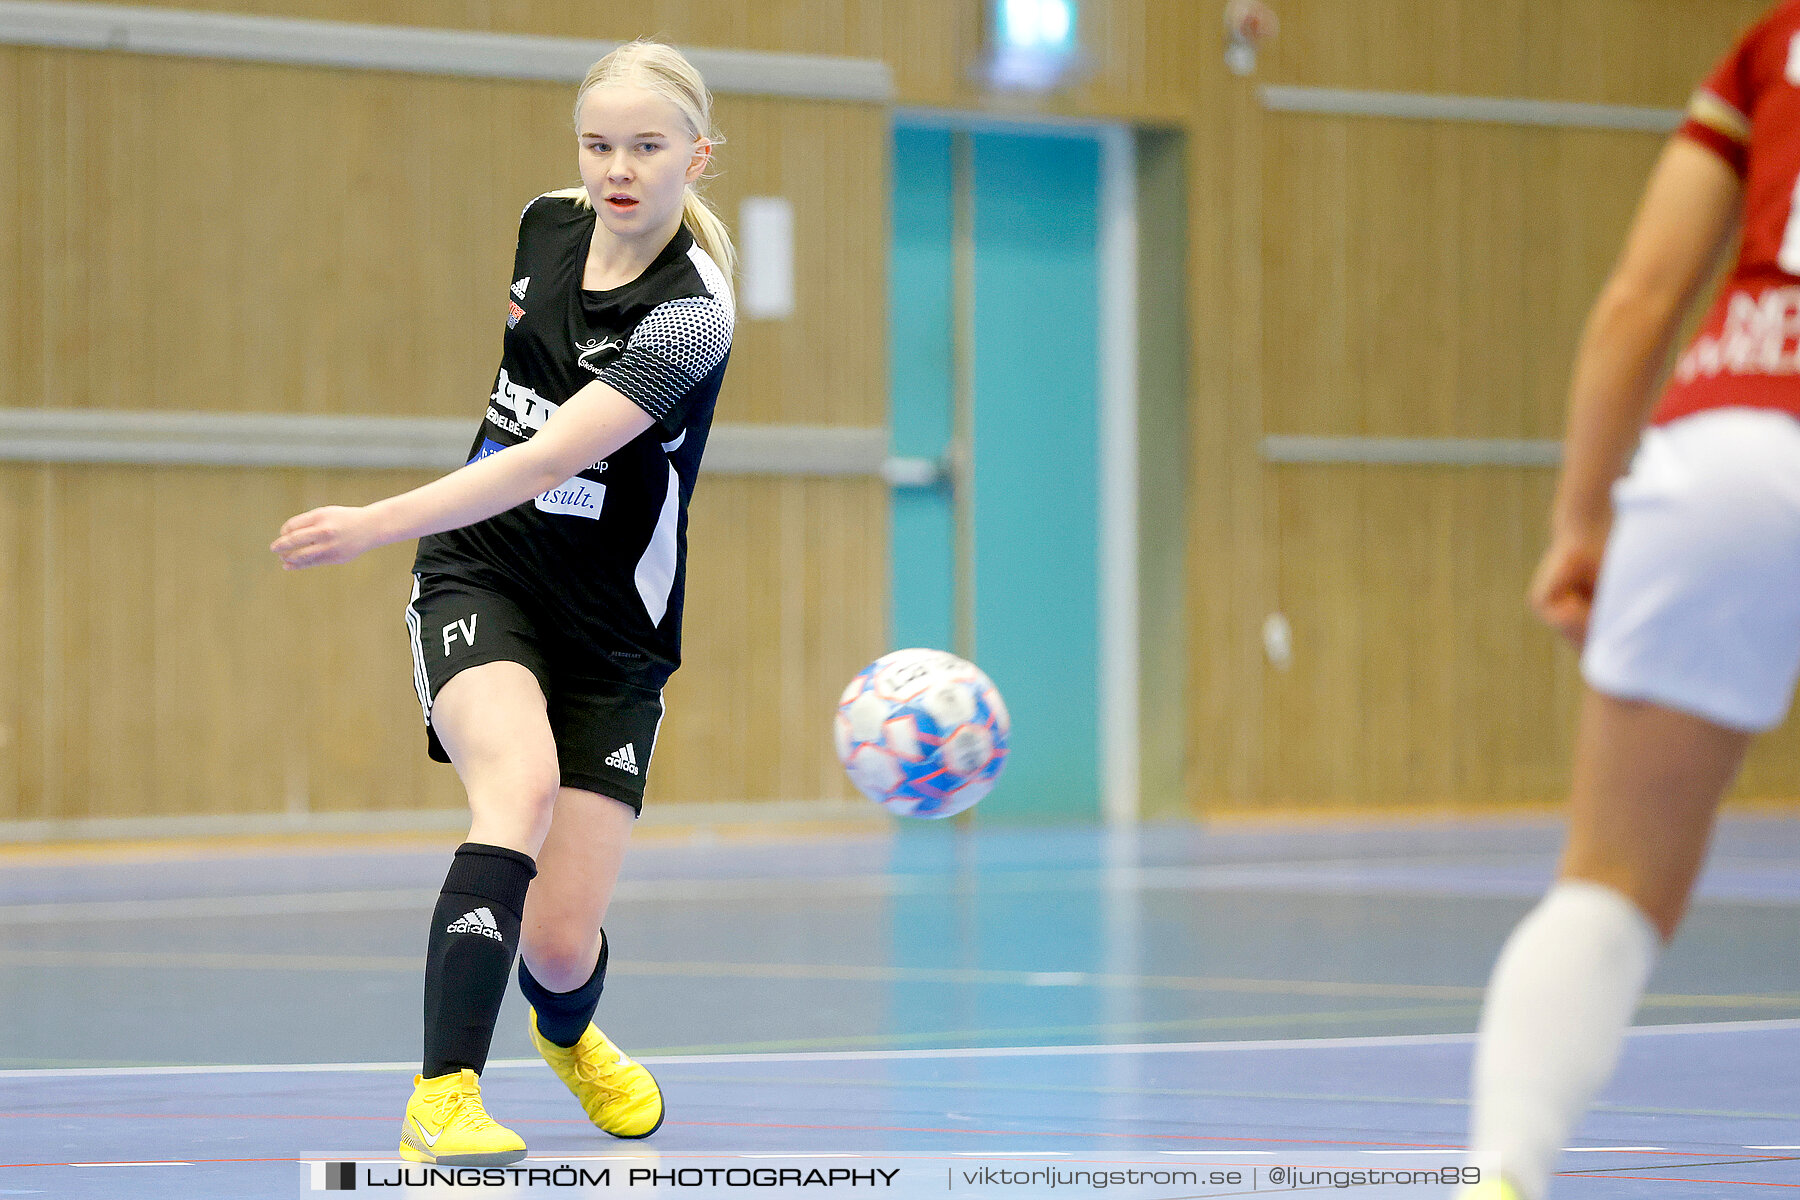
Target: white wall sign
(766,231)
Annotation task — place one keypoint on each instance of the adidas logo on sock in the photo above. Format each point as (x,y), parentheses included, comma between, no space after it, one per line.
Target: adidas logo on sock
(623,759)
(480,921)
(519,286)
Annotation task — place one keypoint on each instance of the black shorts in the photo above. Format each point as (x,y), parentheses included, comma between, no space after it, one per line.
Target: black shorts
(605,728)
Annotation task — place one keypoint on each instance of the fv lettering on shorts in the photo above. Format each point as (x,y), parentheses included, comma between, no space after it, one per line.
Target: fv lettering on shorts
(465,628)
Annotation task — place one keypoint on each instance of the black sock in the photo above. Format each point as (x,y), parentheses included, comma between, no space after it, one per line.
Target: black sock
(562,1017)
(474,935)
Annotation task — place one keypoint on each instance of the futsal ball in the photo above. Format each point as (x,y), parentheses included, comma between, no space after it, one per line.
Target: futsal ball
(922,733)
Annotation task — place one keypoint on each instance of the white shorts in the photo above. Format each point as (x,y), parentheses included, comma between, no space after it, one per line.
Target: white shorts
(1698,603)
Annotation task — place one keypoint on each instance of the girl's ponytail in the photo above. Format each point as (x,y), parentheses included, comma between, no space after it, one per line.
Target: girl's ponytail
(709,231)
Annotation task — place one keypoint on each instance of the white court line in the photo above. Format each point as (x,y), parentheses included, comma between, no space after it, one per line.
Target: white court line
(1772,1147)
(1348,1043)
(1613,1149)
(1218,1153)
(1354,1043)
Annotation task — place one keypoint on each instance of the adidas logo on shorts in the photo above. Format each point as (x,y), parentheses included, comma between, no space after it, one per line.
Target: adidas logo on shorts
(480,921)
(519,286)
(623,759)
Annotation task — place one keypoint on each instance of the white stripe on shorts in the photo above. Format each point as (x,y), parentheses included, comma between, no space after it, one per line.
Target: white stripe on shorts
(421,681)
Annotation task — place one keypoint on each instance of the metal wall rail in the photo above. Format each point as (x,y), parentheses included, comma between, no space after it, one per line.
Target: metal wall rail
(226,439)
(1490,110)
(1430,452)
(341,44)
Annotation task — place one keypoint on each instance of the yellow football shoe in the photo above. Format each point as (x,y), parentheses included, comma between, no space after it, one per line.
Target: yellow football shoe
(445,1123)
(619,1096)
(1491,1188)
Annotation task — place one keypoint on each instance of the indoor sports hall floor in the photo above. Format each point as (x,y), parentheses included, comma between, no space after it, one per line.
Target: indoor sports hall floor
(935,996)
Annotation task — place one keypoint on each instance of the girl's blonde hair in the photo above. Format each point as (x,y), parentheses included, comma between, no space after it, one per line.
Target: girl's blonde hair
(662,69)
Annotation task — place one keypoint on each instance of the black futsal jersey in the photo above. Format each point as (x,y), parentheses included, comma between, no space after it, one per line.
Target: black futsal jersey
(601,558)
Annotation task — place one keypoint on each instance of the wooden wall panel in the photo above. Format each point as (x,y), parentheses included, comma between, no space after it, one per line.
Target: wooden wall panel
(15,639)
(827,364)
(787,601)
(206,235)
(227,236)
(1394,255)
(1644,52)
(1429,279)
(1229,564)
(1772,772)
(1466,47)
(1418,677)
(1629,51)
(11,245)
(159,660)
(1404,279)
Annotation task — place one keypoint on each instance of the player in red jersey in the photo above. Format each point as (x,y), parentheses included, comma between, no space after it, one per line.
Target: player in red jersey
(1679,582)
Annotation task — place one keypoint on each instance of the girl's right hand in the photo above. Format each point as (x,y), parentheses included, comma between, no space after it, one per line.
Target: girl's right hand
(324,536)
(1562,589)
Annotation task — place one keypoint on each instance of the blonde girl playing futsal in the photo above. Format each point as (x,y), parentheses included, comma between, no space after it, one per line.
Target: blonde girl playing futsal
(547,593)
(1680,583)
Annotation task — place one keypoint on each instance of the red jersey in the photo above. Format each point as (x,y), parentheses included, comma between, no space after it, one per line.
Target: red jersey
(1747,354)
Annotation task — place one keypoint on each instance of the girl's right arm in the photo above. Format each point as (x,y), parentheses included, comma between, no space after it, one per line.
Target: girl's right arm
(591,425)
(1689,212)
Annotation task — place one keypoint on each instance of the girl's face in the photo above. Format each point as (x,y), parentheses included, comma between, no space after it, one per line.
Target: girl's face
(637,157)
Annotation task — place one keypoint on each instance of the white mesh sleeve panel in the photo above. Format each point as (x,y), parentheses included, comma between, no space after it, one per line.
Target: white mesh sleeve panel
(671,350)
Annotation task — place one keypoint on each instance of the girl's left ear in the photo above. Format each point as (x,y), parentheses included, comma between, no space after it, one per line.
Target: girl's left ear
(702,157)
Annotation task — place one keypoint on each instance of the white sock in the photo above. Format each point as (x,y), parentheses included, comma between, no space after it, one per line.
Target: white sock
(1562,995)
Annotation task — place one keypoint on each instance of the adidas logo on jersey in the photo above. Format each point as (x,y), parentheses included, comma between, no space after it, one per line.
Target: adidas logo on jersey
(480,921)
(519,286)
(623,759)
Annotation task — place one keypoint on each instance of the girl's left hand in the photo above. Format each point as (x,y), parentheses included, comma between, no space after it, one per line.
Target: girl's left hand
(324,536)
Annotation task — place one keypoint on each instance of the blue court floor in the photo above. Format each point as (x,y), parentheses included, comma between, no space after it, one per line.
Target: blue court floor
(1185,1003)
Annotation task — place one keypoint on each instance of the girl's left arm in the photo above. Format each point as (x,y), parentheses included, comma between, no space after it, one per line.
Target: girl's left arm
(591,425)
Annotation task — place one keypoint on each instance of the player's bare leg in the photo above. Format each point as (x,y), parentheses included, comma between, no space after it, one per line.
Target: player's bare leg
(493,722)
(578,866)
(564,963)
(1647,784)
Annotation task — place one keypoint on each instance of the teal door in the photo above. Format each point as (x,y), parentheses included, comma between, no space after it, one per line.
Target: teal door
(1033,370)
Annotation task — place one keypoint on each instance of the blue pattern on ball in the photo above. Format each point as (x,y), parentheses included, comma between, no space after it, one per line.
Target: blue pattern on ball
(922,733)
